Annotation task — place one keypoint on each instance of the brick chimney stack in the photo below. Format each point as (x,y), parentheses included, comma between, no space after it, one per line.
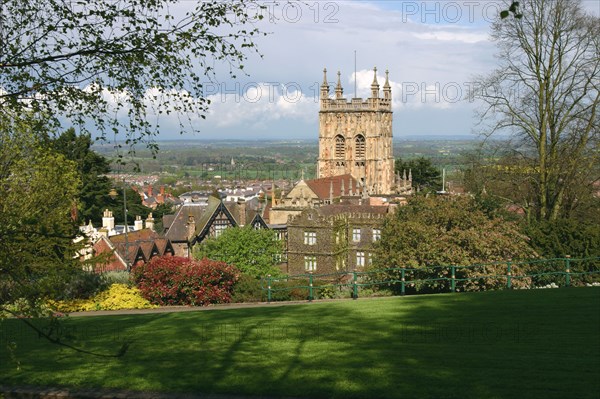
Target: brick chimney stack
(108,221)
(191,226)
(150,222)
(138,224)
(241,202)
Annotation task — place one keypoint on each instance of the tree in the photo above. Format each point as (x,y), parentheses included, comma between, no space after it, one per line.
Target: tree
(546,94)
(39,187)
(113,64)
(92,167)
(253,252)
(425,176)
(446,231)
(558,238)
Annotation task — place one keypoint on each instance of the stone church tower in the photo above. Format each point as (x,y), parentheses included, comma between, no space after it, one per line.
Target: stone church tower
(355,137)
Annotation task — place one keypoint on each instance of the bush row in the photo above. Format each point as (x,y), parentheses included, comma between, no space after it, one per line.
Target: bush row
(181,281)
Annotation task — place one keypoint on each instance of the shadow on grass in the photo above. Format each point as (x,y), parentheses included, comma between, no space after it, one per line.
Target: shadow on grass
(542,343)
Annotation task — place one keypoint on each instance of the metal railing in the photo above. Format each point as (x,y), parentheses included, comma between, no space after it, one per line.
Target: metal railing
(508,274)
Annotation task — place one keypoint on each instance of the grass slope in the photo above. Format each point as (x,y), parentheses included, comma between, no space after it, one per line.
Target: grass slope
(539,343)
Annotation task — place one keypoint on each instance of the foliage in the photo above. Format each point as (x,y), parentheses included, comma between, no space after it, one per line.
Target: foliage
(135,206)
(252,251)
(117,277)
(93,194)
(117,66)
(82,285)
(38,189)
(180,281)
(425,176)
(558,238)
(545,93)
(116,297)
(447,231)
(513,9)
(248,289)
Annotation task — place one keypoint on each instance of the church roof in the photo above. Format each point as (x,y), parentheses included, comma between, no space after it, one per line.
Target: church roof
(322,187)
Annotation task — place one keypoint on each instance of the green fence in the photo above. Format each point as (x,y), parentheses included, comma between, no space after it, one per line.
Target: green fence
(558,272)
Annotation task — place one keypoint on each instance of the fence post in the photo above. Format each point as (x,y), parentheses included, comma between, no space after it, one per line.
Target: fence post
(508,274)
(402,283)
(310,286)
(269,289)
(568,270)
(355,287)
(453,282)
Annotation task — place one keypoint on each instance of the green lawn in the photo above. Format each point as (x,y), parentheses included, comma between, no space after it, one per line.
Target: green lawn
(521,344)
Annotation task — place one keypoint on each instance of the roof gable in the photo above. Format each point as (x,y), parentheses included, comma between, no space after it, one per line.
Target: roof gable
(214,209)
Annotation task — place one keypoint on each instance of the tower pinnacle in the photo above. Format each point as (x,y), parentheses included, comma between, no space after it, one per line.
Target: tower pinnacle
(339,91)
(374,85)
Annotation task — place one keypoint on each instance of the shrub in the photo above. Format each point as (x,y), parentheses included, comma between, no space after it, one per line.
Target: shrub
(116,277)
(82,284)
(181,281)
(117,296)
(248,289)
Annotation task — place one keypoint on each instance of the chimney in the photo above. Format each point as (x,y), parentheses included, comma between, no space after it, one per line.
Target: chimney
(343,190)
(162,191)
(242,211)
(108,221)
(272,194)
(191,226)
(138,224)
(150,190)
(150,222)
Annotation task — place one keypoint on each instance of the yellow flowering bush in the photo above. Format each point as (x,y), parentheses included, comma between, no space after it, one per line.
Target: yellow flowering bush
(117,296)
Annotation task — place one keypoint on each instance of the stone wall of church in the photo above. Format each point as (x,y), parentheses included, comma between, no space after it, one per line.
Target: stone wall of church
(355,137)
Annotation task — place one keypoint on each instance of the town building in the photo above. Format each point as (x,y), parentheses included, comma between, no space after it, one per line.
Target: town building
(195,222)
(334,238)
(117,247)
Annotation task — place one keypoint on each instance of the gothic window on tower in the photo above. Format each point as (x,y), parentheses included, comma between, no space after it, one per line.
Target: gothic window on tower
(359,147)
(340,144)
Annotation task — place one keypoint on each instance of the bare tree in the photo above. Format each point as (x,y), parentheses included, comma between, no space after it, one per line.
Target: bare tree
(545,93)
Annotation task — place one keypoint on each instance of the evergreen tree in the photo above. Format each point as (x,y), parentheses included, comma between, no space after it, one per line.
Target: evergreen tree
(92,167)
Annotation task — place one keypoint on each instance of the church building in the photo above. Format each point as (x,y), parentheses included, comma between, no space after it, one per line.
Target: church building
(355,137)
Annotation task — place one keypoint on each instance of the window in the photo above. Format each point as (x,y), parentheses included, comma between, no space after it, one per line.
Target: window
(310,237)
(340,150)
(355,234)
(360,259)
(220,226)
(360,147)
(370,258)
(310,263)
(376,235)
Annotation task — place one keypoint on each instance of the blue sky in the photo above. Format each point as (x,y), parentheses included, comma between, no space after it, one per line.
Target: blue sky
(432,50)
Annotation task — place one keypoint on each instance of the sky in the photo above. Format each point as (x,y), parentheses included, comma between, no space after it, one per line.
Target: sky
(432,50)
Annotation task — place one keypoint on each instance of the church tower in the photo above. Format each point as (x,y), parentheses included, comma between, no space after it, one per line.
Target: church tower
(355,137)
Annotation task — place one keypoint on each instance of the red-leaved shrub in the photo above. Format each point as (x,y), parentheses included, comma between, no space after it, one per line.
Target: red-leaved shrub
(182,281)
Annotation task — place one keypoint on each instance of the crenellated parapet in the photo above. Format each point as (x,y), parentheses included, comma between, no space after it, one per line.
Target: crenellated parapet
(339,103)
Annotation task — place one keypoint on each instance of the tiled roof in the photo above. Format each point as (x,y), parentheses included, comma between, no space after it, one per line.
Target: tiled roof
(322,187)
(178,230)
(336,209)
(132,236)
(168,220)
